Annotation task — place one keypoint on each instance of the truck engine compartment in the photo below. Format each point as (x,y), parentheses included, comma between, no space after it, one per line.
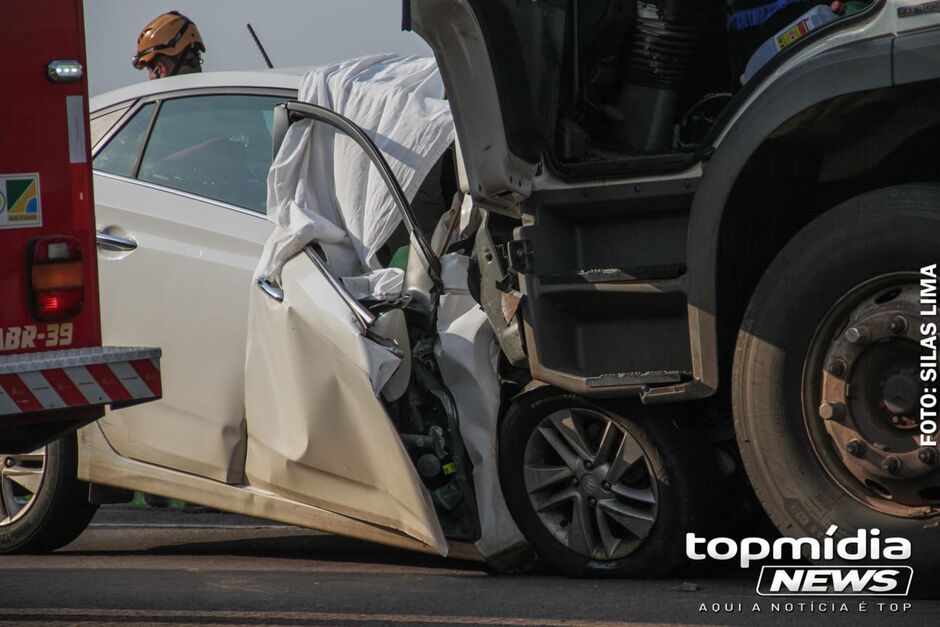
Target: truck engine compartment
(606,86)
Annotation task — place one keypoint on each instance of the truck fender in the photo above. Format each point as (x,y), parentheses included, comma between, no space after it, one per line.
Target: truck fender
(855,67)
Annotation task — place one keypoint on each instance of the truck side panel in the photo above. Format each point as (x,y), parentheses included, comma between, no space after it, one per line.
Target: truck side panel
(45,125)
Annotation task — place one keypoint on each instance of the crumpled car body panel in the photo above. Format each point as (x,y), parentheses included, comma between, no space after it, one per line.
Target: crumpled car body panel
(317,431)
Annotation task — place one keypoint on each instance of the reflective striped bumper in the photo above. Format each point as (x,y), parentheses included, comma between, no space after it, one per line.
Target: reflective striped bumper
(82,377)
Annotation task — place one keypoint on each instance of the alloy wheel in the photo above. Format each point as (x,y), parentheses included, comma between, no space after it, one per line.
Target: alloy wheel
(590,483)
(21,478)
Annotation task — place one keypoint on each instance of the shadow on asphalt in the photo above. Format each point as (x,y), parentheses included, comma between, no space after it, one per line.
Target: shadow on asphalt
(302,546)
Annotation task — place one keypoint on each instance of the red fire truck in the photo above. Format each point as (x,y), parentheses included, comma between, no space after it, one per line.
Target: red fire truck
(54,374)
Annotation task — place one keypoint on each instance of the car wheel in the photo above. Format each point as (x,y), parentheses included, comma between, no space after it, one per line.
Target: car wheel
(825,378)
(598,493)
(43,506)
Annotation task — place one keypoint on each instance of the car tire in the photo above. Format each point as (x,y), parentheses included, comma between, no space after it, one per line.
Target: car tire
(57,512)
(672,471)
(791,331)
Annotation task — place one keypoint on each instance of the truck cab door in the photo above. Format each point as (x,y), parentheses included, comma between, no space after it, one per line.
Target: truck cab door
(595,249)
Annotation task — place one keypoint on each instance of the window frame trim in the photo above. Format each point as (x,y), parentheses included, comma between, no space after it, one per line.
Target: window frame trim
(138,104)
(146,139)
(130,113)
(124,107)
(183,194)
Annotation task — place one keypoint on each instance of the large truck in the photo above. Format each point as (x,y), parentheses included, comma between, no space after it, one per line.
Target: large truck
(732,217)
(54,374)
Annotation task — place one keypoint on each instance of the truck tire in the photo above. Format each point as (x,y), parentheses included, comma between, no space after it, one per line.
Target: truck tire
(52,509)
(583,512)
(838,307)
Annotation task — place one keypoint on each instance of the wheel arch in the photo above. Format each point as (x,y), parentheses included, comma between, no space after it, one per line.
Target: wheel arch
(732,241)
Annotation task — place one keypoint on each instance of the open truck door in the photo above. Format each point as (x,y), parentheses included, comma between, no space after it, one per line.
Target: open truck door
(54,374)
(593,267)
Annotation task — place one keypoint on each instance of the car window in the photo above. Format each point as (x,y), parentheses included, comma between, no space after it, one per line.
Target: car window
(101,124)
(119,156)
(214,146)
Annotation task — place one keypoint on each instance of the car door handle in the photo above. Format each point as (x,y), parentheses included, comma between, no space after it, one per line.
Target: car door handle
(115,242)
(271,289)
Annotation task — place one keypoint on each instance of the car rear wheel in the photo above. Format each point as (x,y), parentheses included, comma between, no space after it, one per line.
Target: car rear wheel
(43,505)
(825,382)
(595,492)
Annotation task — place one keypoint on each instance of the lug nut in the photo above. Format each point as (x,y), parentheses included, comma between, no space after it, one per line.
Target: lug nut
(832,411)
(856,448)
(592,501)
(858,335)
(891,464)
(605,485)
(588,466)
(836,367)
(574,481)
(898,325)
(928,456)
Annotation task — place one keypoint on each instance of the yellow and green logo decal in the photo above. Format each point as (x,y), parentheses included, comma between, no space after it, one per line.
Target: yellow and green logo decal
(20,201)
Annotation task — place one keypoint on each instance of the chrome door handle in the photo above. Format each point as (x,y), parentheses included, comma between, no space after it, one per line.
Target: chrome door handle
(114,242)
(271,289)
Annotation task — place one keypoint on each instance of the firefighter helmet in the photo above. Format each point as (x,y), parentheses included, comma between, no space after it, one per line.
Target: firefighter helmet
(170,34)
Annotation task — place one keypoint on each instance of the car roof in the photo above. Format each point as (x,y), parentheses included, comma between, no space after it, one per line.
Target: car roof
(277,78)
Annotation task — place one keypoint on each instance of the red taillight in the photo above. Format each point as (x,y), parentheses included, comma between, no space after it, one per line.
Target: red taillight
(56,278)
(58,304)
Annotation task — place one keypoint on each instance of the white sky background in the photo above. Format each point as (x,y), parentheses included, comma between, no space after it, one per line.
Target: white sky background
(294,32)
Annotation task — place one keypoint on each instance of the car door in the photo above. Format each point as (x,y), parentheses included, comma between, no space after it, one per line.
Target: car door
(180,208)
(318,364)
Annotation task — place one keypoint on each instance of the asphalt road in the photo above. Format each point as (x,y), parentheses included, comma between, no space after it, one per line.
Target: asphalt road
(135,567)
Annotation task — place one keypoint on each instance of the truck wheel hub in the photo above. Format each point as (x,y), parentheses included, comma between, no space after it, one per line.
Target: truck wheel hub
(901,393)
(869,393)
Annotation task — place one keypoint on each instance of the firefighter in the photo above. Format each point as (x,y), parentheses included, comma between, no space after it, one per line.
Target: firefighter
(169,45)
